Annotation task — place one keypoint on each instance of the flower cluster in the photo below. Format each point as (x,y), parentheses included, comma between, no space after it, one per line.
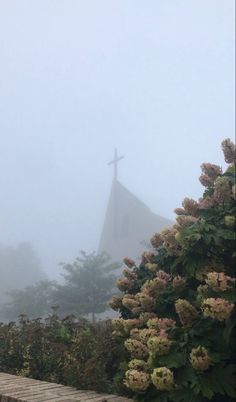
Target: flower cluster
(219,309)
(147,257)
(219,282)
(147,333)
(147,302)
(139,365)
(222,190)
(129,274)
(130,302)
(212,265)
(163,378)
(156,285)
(137,380)
(124,284)
(161,323)
(209,173)
(229,151)
(119,327)
(230,221)
(190,206)
(129,262)
(186,312)
(116,302)
(206,203)
(199,358)
(169,241)
(159,345)
(157,240)
(136,348)
(180,211)
(178,282)
(186,220)
(145,316)
(131,323)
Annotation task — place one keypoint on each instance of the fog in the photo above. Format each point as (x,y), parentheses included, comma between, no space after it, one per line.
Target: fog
(77,79)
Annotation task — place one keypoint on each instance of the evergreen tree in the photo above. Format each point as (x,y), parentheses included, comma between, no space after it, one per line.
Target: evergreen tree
(89,284)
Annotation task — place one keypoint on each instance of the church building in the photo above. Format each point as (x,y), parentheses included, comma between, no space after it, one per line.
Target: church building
(129,223)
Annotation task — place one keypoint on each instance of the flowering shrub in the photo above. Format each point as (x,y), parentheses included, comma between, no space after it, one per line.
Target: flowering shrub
(177,310)
(64,351)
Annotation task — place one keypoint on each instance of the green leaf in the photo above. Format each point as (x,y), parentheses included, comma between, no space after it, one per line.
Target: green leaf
(173,360)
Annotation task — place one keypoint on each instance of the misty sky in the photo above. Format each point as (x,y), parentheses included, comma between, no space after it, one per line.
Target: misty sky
(154,78)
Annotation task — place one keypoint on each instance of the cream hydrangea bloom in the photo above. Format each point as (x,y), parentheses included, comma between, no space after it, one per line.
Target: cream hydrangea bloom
(220,309)
(163,378)
(159,345)
(199,358)
(137,380)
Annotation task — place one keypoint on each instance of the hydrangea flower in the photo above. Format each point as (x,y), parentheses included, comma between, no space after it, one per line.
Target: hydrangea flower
(129,262)
(159,345)
(147,256)
(151,267)
(213,265)
(161,323)
(206,203)
(116,302)
(222,190)
(211,170)
(146,333)
(219,309)
(190,206)
(146,301)
(130,302)
(131,323)
(206,181)
(118,323)
(124,284)
(154,286)
(180,211)
(199,358)
(157,240)
(186,220)
(186,312)
(129,274)
(137,364)
(163,378)
(230,221)
(137,380)
(178,282)
(229,150)
(136,348)
(219,282)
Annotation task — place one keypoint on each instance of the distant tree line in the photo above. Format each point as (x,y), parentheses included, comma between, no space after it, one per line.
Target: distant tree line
(88,285)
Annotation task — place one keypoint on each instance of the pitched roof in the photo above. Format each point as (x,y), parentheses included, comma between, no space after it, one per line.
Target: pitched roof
(128,223)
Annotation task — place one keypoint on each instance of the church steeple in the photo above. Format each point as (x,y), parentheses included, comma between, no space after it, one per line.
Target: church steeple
(128,221)
(115,163)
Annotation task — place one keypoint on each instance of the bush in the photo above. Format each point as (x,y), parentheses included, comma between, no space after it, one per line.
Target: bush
(177,309)
(64,351)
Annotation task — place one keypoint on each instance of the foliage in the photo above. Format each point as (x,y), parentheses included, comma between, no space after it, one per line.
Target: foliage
(19,267)
(65,351)
(177,311)
(34,301)
(89,284)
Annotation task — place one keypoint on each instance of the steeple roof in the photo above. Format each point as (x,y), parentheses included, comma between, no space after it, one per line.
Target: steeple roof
(128,224)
